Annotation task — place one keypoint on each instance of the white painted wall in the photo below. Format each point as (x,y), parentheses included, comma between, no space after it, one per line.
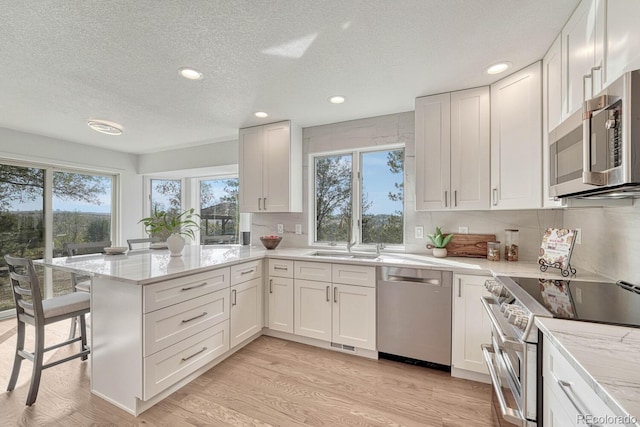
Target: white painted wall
(21,146)
(205,156)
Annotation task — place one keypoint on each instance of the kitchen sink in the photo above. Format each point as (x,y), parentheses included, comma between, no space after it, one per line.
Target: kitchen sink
(344,255)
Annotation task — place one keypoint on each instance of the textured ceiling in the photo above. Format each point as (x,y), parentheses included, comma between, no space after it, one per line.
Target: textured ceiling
(64,62)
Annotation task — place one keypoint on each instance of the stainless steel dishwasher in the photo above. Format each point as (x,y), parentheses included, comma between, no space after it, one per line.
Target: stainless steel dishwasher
(414,314)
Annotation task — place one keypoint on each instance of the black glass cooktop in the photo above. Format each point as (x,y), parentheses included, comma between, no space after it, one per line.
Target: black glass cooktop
(589,301)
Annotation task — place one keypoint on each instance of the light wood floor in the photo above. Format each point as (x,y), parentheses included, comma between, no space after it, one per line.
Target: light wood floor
(269,382)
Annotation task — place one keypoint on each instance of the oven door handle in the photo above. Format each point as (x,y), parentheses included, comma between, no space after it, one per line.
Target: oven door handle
(504,341)
(511,415)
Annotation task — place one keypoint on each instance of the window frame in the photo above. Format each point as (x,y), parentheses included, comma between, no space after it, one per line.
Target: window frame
(356,199)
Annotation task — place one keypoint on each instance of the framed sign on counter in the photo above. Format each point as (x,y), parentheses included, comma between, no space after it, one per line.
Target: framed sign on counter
(556,248)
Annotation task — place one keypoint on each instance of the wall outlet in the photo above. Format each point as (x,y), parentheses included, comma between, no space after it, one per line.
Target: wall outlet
(463,230)
(419,232)
(280,228)
(578,236)
(298,228)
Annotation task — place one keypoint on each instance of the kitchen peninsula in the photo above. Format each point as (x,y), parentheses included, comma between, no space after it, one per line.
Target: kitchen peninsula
(158,322)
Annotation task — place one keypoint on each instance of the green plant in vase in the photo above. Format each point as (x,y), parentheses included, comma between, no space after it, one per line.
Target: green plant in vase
(175,225)
(439,242)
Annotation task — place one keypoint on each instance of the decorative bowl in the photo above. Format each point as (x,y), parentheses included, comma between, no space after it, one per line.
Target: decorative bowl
(115,250)
(271,242)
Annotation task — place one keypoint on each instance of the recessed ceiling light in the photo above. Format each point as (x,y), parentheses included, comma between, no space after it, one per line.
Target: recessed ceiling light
(498,68)
(190,73)
(337,99)
(261,114)
(106,127)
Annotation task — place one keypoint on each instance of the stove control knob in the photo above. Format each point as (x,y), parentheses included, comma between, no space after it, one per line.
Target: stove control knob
(522,323)
(611,124)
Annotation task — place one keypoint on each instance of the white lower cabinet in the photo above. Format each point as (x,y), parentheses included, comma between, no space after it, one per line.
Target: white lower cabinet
(568,400)
(470,324)
(337,312)
(312,309)
(281,304)
(246,310)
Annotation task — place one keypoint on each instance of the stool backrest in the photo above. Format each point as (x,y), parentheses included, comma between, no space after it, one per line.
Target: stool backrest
(25,287)
(72,249)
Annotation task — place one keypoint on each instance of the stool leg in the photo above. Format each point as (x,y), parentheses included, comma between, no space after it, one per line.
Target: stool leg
(37,365)
(17,361)
(72,330)
(83,335)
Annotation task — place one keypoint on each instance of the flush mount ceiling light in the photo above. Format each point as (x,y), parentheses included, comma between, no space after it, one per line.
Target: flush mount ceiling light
(498,68)
(337,99)
(105,127)
(261,114)
(190,73)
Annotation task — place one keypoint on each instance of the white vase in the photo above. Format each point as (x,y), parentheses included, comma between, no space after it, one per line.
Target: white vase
(440,252)
(175,243)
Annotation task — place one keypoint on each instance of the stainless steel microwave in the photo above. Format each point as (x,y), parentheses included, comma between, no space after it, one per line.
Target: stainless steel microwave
(596,152)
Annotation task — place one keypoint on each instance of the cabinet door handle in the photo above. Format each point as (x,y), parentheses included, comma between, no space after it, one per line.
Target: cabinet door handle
(328,291)
(184,359)
(455,198)
(204,313)
(335,294)
(270,286)
(264,204)
(259,199)
(277,267)
(233,297)
(593,69)
(446,196)
(459,288)
(584,85)
(494,196)
(194,287)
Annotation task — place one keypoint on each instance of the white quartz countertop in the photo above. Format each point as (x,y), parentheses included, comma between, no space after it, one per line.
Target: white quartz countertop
(153,265)
(606,356)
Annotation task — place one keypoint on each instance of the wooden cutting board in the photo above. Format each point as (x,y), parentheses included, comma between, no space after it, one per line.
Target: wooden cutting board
(470,245)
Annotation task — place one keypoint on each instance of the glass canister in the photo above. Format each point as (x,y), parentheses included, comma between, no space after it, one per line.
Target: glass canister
(511,245)
(493,251)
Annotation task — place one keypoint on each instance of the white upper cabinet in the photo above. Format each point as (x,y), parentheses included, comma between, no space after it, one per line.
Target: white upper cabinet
(452,150)
(617,38)
(516,140)
(270,168)
(578,57)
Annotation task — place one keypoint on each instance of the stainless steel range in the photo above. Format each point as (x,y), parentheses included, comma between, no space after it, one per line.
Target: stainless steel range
(514,354)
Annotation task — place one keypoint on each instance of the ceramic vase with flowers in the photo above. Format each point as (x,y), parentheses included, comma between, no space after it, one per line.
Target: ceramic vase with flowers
(177,225)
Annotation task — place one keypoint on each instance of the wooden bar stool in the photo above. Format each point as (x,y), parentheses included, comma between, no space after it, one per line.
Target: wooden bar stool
(32,310)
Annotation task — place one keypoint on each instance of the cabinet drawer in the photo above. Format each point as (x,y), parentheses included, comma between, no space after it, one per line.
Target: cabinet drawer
(246,271)
(281,268)
(174,363)
(359,275)
(318,271)
(567,384)
(172,324)
(169,292)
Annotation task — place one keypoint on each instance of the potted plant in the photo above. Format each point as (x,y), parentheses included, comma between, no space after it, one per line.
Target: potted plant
(440,241)
(175,225)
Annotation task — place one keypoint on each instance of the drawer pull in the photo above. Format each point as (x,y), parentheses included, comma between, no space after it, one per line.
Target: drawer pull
(565,386)
(277,267)
(184,359)
(194,287)
(204,313)
(247,271)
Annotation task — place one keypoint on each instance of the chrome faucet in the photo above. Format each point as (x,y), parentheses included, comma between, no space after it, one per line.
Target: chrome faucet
(349,242)
(379,247)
